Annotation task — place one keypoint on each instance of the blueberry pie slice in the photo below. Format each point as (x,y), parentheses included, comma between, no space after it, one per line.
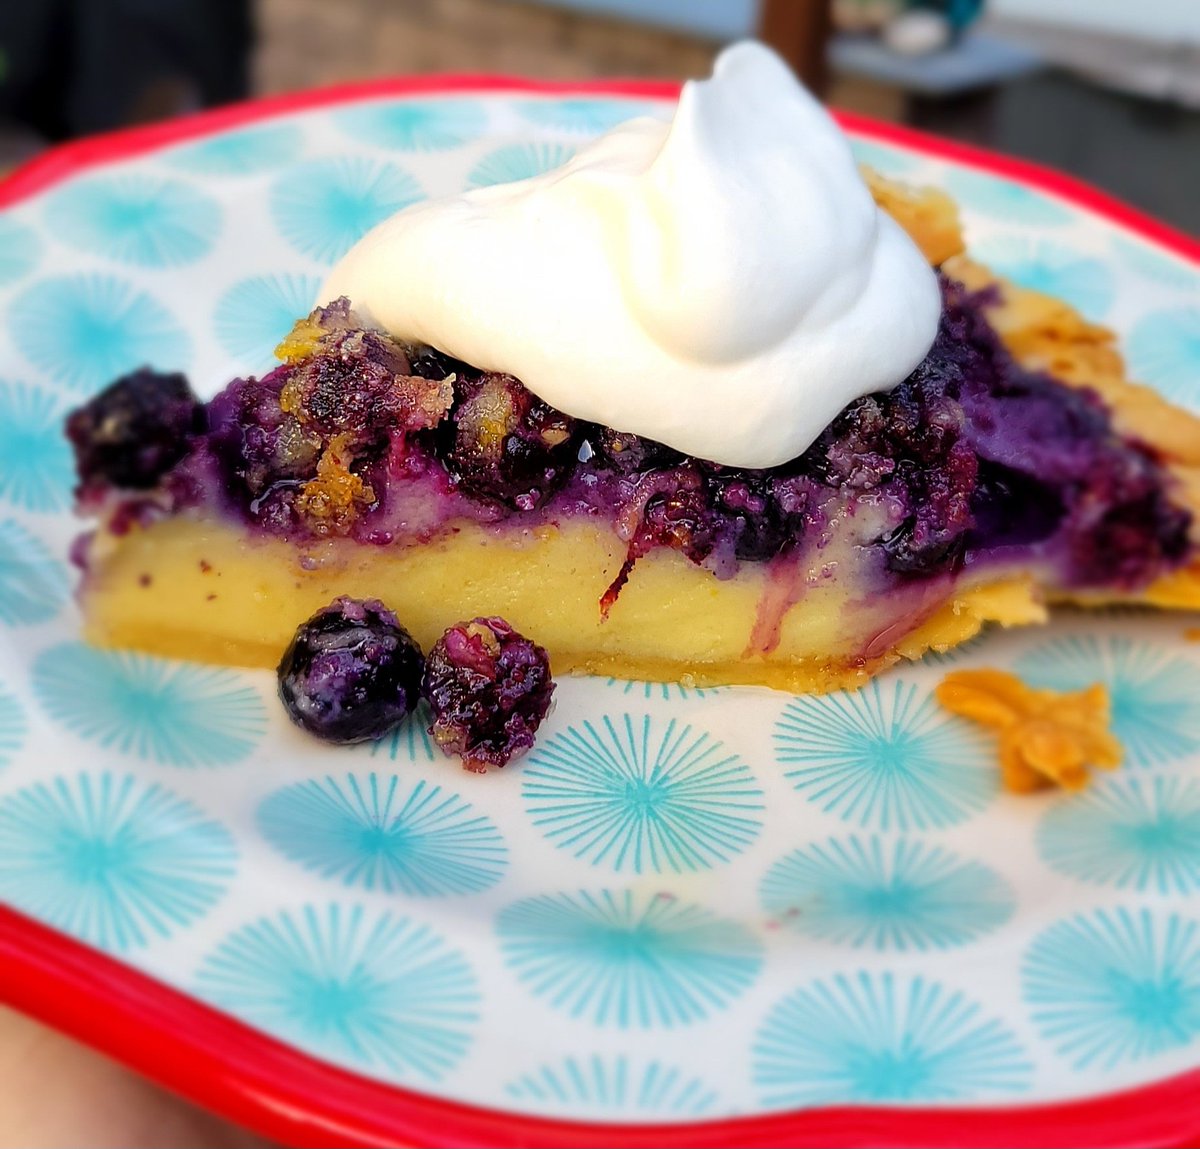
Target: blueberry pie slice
(1009,465)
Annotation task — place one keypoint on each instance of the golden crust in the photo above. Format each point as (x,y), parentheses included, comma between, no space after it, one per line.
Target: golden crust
(1049,335)
(928,215)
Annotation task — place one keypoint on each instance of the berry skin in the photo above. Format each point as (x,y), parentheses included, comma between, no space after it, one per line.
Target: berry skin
(504,445)
(134,431)
(489,689)
(352,672)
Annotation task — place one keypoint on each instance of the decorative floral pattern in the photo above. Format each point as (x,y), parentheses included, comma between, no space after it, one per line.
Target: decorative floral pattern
(584,115)
(886,757)
(255,314)
(110,859)
(834,898)
(1164,351)
(161,711)
(244,152)
(1116,986)
(33,585)
(35,460)
(1053,268)
(151,223)
(13,728)
(1153,695)
(607,1085)
(324,207)
(19,250)
(895,895)
(627,960)
(1006,201)
(375,833)
(625,794)
(517,162)
(1153,263)
(411,741)
(1130,833)
(662,691)
(85,330)
(415,125)
(362,988)
(883,1038)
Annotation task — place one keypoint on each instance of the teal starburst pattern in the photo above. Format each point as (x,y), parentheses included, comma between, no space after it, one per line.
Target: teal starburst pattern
(1164,350)
(625,959)
(1152,691)
(13,728)
(323,207)
(613,1086)
(661,691)
(514,162)
(380,834)
(20,250)
(33,583)
(110,859)
(253,315)
(1153,263)
(886,160)
(632,795)
(84,330)
(872,1038)
(410,741)
(1131,833)
(1115,986)
(136,219)
(874,893)
(35,460)
(415,125)
(1083,280)
(245,152)
(1005,200)
(584,115)
(365,989)
(886,757)
(172,713)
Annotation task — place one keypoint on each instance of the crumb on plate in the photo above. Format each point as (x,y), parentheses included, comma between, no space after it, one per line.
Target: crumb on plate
(1047,737)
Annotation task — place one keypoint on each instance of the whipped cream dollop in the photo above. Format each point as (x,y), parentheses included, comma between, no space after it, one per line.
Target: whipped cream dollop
(724,283)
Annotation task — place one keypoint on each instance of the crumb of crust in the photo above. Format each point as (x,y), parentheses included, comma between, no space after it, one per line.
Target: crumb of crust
(929,215)
(335,498)
(1047,737)
(1192,634)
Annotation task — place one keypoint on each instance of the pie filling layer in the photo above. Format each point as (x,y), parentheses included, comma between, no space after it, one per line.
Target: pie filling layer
(361,466)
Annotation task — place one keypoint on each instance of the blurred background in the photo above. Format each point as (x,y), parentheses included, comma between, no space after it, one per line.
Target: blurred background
(1105,89)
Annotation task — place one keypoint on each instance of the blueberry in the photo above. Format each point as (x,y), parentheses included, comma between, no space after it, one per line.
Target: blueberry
(489,689)
(505,445)
(351,673)
(134,431)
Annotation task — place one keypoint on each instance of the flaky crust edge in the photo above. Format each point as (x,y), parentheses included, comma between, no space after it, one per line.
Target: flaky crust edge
(1047,334)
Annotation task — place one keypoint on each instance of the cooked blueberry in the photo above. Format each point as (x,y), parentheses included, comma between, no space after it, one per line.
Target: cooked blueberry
(134,431)
(351,673)
(505,444)
(432,364)
(489,689)
(626,453)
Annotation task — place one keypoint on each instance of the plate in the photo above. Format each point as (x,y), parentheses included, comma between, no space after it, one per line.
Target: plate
(691,916)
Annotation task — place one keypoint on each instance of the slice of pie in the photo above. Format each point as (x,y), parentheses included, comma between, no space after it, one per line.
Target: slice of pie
(1014,468)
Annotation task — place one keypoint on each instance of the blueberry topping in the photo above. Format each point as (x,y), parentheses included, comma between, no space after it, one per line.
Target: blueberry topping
(489,689)
(505,444)
(359,434)
(351,673)
(134,431)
